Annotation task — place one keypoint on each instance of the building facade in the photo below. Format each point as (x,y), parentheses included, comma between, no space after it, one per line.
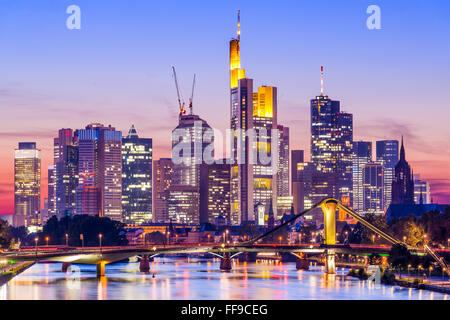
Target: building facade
(162,180)
(373,188)
(403,183)
(136,178)
(27,184)
(387,155)
(362,155)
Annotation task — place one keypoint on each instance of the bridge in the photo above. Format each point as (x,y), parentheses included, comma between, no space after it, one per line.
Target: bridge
(101,256)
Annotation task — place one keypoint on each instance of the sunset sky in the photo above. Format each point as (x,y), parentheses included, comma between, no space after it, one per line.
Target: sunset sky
(117,70)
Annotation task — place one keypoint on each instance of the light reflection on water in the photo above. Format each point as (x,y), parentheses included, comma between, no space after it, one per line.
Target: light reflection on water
(176,278)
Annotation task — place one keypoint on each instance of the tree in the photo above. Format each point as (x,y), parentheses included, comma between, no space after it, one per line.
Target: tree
(399,256)
(156,238)
(5,235)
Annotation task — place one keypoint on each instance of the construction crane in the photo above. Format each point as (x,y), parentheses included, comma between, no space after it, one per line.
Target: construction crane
(192,95)
(181,103)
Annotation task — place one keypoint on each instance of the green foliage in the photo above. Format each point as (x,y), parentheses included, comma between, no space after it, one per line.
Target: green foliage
(388,277)
(399,256)
(5,234)
(112,231)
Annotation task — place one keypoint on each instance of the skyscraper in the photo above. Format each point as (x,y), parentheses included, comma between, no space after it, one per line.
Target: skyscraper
(136,178)
(218,190)
(162,180)
(100,171)
(387,155)
(27,183)
(373,181)
(66,173)
(331,143)
(362,154)
(283,162)
(51,199)
(297,185)
(403,183)
(265,143)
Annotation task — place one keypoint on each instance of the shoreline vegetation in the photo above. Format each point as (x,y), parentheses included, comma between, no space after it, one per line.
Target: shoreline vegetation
(13,270)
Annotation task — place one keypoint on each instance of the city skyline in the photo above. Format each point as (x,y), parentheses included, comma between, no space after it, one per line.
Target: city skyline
(22,89)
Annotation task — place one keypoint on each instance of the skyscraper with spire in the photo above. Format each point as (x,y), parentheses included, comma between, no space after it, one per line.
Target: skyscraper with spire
(136,178)
(331,144)
(403,184)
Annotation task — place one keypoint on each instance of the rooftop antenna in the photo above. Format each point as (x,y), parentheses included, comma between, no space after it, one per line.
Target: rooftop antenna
(239,25)
(321,80)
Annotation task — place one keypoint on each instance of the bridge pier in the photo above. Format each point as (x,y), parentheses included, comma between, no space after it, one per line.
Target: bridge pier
(101,269)
(225,262)
(144,264)
(65,266)
(330,265)
(302,262)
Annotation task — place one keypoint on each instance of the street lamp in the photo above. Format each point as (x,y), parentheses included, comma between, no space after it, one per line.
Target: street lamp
(100,236)
(46,240)
(82,240)
(67,240)
(36,241)
(280,238)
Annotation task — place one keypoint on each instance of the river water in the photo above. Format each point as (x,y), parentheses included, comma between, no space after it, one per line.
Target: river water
(192,278)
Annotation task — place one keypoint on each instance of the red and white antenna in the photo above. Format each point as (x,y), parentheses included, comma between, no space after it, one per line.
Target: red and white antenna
(321,80)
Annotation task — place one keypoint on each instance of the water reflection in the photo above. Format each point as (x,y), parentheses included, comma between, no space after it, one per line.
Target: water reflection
(176,278)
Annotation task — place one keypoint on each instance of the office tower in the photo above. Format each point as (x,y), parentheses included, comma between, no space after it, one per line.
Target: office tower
(373,181)
(218,189)
(100,171)
(265,173)
(297,186)
(387,155)
(362,154)
(66,173)
(192,147)
(283,162)
(421,191)
(192,139)
(317,186)
(27,183)
(136,178)
(51,192)
(403,183)
(183,204)
(162,180)
(331,143)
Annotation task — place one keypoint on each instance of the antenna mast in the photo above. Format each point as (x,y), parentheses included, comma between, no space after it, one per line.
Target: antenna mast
(321,80)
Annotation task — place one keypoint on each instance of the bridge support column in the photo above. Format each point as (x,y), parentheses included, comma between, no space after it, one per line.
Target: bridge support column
(144,264)
(330,265)
(65,266)
(101,269)
(225,262)
(302,262)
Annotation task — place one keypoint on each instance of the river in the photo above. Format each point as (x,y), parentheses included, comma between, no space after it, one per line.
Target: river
(192,278)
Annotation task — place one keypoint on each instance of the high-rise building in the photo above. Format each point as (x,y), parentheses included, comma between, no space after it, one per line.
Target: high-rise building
(66,173)
(283,162)
(218,189)
(387,155)
(162,180)
(51,199)
(27,183)
(183,204)
(297,186)
(421,191)
(362,154)
(136,178)
(192,139)
(403,183)
(265,174)
(331,143)
(373,181)
(100,171)
(192,147)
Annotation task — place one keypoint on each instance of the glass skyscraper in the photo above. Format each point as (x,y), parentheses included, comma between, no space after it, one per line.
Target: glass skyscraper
(27,184)
(362,154)
(136,178)
(387,155)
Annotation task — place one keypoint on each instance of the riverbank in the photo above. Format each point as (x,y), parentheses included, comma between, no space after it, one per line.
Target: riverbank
(13,270)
